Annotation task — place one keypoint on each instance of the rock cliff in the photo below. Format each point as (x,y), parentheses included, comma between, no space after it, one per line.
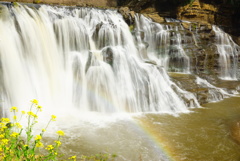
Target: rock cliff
(223,13)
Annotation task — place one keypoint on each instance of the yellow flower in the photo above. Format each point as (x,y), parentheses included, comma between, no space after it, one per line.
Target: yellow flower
(43,130)
(73,157)
(4,141)
(23,112)
(49,147)
(14,134)
(53,118)
(35,116)
(1,135)
(39,144)
(5,120)
(30,113)
(60,132)
(38,137)
(58,142)
(4,127)
(14,117)
(14,109)
(39,108)
(18,125)
(34,101)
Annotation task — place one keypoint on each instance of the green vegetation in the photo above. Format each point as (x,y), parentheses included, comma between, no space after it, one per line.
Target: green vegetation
(14,146)
(15,4)
(131,28)
(37,1)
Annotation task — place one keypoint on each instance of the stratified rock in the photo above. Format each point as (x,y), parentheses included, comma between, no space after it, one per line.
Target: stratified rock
(155,17)
(197,12)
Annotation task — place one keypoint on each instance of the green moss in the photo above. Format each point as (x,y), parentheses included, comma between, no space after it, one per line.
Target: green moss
(37,1)
(15,4)
(131,28)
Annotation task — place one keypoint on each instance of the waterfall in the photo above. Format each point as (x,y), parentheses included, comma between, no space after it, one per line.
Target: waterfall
(163,44)
(228,55)
(214,93)
(86,59)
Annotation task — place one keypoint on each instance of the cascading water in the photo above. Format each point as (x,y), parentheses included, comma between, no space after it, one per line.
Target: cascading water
(83,59)
(215,93)
(77,60)
(163,43)
(228,55)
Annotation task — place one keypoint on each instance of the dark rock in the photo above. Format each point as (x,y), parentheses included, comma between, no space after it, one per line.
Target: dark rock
(108,55)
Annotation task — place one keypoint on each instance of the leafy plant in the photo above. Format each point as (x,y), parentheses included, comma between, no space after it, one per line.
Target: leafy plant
(14,146)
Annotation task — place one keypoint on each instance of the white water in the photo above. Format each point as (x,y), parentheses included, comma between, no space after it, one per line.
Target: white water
(214,93)
(83,59)
(163,43)
(228,55)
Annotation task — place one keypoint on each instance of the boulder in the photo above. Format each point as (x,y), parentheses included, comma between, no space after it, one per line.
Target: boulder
(155,17)
(127,14)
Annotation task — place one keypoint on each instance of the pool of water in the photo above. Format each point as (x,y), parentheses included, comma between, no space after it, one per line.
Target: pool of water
(204,134)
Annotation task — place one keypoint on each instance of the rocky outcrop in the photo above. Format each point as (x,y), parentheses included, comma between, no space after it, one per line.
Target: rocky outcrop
(127,14)
(138,5)
(197,12)
(225,14)
(155,17)
(219,14)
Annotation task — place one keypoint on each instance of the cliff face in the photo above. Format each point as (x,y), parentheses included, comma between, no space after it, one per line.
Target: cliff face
(222,14)
(219,12)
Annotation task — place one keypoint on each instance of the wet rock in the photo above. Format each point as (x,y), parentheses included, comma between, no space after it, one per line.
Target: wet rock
(108,55)
(186,25)
(155,17)
(89,60)
(205,36)
(150,62)
(95,33)
(127,14)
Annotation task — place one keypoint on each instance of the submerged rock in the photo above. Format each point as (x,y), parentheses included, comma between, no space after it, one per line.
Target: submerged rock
(235,131)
